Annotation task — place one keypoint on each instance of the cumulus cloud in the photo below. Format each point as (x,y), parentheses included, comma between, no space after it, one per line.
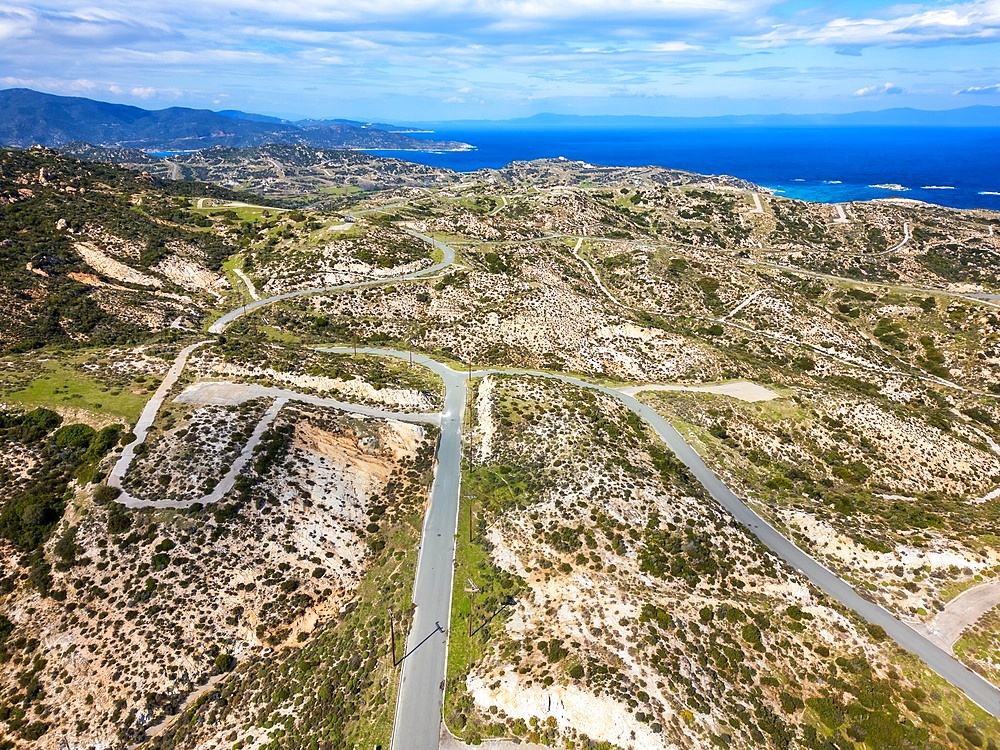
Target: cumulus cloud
(885,88)
(994,89)
(975,22)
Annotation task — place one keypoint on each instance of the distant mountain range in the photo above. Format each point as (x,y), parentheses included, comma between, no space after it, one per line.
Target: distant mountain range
(30,117)
(977,116)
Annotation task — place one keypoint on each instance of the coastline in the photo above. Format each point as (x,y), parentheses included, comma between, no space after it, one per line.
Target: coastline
(465,147)
(949,167)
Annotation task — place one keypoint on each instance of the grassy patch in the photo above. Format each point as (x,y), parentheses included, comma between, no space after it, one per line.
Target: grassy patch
(953,588)
(341,190)
(64,383)
(476,615)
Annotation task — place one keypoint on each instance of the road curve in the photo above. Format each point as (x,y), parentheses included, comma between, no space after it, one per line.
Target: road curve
(418,709)
(222,323)
(149,414)
(960,613)
(419,703)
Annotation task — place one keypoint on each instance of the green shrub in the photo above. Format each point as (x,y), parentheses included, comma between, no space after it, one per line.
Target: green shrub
(74,436)
(119,520)
(104,494)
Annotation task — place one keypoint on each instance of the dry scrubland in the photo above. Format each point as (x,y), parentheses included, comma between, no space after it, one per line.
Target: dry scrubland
(893,498)
(515,306)
(646,618)
(883,457)
(639,615)
(142,607)
(385,383)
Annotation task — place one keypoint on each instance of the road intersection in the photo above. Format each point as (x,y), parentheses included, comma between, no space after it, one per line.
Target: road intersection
(418,710)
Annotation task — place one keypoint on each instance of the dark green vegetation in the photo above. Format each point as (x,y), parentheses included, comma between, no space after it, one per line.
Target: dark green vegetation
(50,202)
(295,250)
(129,587)
(713,635)
(599,565)
(883,474)
(32,505)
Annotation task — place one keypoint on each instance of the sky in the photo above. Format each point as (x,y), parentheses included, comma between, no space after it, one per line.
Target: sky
(413,60)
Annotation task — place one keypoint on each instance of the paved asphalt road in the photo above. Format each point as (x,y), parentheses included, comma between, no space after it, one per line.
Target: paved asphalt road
(980,691)
(418,707)
(421,687)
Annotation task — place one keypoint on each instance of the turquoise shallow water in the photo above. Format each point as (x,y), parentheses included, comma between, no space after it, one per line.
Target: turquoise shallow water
(958,167)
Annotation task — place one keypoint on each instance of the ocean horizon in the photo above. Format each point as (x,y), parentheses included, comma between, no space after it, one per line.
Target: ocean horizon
(954,167)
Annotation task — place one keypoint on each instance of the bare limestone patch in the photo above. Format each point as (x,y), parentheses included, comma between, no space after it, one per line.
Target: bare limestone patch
(144,619)
(190,275)
(355,389)
(105,264)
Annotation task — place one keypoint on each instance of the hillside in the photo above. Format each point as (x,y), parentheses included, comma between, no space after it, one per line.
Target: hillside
(30,118)
(94,254)
(231,427)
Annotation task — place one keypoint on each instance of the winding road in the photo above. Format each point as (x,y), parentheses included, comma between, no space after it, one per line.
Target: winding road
(222,323)
(418,709)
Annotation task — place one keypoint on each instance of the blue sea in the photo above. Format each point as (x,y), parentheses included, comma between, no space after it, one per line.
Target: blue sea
(958,167)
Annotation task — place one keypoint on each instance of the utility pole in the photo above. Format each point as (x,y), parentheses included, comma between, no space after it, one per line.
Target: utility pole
(472,589)
(470,520)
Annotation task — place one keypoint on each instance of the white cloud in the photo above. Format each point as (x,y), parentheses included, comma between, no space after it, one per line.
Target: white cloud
(143,92)
(15,22)
(507,11)
(55,85)
(885,88)
(994,89)
(973,22)
(674,47)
